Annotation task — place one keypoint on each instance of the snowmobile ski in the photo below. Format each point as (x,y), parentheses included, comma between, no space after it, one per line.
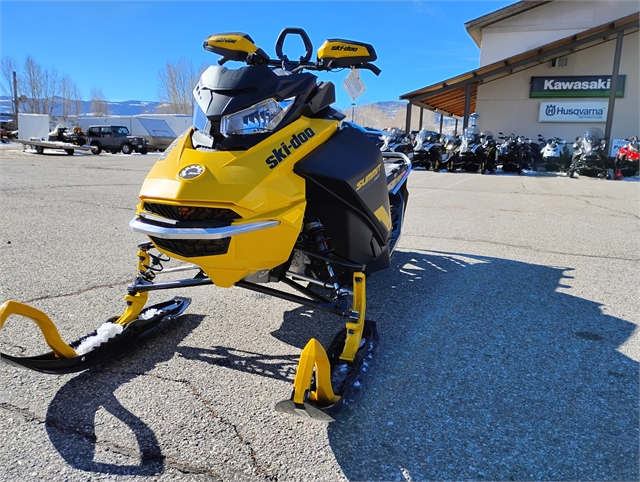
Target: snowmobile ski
(106,341)
(344,378)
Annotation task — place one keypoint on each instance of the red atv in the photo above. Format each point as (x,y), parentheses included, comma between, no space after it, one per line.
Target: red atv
(626,163)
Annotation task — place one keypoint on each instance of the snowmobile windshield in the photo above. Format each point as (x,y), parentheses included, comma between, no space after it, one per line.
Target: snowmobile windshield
(488,135)
(427,136)
(393,134)
(470,134)
(59,129)
(200,120)
(448,141)
(593,134)
(249,100)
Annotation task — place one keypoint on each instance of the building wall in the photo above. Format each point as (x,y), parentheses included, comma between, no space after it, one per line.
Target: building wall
(547,23)
(504,104)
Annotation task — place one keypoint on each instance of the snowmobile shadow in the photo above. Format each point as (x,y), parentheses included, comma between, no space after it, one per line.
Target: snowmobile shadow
(486,371)
(301,324)
(70,421)
(279,367)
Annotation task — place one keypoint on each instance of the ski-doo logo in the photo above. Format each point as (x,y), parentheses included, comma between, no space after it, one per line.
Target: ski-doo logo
(226,40)
(369,177)
(345,48)
(281,153)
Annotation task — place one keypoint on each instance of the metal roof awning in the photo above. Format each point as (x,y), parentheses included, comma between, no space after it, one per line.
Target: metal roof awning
(450,96)
(474,27)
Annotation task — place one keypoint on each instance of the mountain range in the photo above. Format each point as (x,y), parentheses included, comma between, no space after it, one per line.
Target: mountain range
(136,107)
(382,114)
(125,108)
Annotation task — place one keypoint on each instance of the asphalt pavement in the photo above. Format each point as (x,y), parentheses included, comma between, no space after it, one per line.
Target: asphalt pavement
(509,342)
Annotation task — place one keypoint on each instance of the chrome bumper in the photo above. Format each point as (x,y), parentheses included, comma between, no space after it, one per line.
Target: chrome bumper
(198,233)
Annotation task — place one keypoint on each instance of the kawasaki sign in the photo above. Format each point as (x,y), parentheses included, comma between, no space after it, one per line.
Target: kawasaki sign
(567,111)
(575,86)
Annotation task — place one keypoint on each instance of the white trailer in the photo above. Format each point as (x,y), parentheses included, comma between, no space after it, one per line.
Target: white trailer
(33,126)
(39,146)
(34,129)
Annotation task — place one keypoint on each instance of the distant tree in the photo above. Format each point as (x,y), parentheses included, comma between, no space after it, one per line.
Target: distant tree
(51,91)
(99,106)
(76,106)
(41,87)
(176,84)
(33,85)
(8,66)
(68,90)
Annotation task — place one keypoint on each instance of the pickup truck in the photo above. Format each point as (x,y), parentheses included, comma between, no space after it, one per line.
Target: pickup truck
(115,139)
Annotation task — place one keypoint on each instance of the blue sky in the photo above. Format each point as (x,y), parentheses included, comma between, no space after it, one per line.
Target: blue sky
(119,46)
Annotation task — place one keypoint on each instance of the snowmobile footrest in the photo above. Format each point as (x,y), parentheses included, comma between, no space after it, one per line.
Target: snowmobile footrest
(148,320)
(346,379)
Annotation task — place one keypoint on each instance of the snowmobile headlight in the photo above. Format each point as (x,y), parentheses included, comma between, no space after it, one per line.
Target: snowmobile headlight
(261,117)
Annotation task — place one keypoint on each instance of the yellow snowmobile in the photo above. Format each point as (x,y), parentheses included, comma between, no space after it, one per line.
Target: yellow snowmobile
(266,187)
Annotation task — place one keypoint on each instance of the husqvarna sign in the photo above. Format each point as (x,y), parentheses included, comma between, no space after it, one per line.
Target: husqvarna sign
(587,111)
(575,86)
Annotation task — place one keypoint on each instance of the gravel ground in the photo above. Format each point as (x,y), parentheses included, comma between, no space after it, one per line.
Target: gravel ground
(509,344)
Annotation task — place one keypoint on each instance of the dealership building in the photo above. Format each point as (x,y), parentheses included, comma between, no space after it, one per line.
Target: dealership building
(548,67)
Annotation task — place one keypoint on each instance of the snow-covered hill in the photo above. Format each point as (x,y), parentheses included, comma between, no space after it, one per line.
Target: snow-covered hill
(127,107)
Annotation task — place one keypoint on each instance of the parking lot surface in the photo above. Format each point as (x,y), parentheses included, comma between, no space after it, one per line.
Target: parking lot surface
(509,341)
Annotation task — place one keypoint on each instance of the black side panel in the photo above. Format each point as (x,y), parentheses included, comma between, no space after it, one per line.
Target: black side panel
(346,185)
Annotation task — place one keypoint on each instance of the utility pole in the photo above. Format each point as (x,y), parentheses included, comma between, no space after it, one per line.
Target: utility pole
(15,99)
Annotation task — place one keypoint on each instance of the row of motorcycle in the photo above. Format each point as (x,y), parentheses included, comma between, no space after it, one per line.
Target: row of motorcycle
(482,152)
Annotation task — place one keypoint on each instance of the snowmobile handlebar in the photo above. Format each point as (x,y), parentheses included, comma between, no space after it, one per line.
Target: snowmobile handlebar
(302,64)
(339,54)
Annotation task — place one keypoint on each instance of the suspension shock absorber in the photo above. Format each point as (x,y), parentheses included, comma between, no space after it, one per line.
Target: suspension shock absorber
(315,231)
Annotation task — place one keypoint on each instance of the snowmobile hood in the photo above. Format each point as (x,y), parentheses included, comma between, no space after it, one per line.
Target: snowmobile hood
(222,91)
(220,193)
(234,177)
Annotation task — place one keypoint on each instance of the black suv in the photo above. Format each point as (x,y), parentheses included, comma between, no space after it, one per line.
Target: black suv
(115,139)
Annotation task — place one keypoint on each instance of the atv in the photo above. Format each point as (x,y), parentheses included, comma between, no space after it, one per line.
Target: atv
(267,187)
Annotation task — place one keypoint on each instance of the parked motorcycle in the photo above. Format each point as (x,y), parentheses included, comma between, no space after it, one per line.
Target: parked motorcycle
(489,145)
(266,187)
(514,153)
(427,150)
(554,155)
(476,152)
(589,154)
(394,140)
(449,148)
(626,162)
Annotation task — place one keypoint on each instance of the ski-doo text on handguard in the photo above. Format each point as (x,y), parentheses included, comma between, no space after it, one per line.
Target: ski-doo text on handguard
(266,187)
